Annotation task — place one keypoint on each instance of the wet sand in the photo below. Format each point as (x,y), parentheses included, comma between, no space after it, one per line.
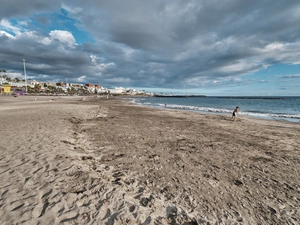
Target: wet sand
(104,161)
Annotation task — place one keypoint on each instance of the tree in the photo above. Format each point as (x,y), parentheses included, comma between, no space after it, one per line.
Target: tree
(37,87)
(29,89)
(71,91)
(51,88)
(59,90)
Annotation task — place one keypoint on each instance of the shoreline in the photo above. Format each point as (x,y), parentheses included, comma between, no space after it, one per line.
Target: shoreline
(102,161)
(264,116)
(289,120)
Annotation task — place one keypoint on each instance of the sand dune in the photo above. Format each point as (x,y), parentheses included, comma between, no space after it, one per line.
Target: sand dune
(101,161)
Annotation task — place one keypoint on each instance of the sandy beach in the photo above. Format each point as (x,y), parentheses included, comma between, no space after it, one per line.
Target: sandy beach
(105,161)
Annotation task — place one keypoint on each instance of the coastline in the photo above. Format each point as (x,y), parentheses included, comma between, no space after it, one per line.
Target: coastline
(270,108)
(104,161)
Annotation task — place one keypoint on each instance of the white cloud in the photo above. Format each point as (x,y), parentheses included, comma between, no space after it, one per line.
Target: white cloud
(63,36)
(94,58)
(237,79)
(284,52)
(274,47)
(31,35)
(103,66)
(3,33)
(46,41)
(81,79)
(235,67)
(7,26)
(72,9)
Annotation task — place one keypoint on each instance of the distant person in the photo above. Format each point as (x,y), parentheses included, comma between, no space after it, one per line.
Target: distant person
(235,111)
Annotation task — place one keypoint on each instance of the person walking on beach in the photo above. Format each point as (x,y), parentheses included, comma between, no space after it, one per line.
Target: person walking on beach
(235,111)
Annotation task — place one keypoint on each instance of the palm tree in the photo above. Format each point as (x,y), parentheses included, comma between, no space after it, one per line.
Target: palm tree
(37,87)
(29,89)
(71,91)
(60,90)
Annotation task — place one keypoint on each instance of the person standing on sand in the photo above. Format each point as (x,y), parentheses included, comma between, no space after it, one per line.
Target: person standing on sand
(235,111)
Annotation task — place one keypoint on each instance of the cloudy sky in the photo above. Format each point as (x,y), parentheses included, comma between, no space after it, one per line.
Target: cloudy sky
(211,47)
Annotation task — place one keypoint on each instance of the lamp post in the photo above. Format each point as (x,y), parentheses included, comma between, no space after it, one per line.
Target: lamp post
(25,75)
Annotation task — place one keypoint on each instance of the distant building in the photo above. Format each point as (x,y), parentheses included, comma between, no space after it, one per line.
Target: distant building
(118,90)
(6,88)
(33,82)
(2,80)
(75,85)
(60,84)
(50,84)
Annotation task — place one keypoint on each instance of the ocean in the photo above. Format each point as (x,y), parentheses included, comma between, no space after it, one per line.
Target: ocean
(275,108)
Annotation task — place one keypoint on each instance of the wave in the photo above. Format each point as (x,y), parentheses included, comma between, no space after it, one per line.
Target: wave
(245,97)
(291,116)
(257,114)
(216,110)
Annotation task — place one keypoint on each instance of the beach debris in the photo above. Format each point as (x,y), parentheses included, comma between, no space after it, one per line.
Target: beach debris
(101,115)
(238,182)
(85,157)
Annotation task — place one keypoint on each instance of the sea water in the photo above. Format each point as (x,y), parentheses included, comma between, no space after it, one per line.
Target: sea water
(279,108)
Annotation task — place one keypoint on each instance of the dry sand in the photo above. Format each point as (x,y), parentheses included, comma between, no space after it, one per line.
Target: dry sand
(103,161)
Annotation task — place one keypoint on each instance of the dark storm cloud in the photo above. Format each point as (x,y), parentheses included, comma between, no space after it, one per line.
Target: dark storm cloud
(187,37)
(159,43)
(54,60)
(15,8)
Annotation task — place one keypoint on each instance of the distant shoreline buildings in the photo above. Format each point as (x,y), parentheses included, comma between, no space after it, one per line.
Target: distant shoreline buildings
(15,86)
